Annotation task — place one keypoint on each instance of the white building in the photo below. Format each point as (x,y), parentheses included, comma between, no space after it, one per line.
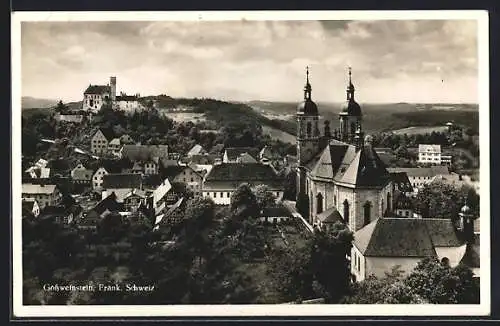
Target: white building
(387,242)
(419,177)
(223,179)
(128,103)
(96,95)
(429,154)
(45,195)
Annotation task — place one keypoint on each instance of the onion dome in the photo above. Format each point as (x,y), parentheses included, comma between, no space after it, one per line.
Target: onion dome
(307,107)
(351,107)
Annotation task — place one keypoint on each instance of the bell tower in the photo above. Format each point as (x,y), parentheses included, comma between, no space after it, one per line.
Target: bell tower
(350,117)
(308,134)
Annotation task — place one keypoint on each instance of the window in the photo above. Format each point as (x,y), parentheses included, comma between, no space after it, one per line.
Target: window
(308,129)
(335,200)
(215,195)
(359,264)
(346,211)
(407,213)
(367,213)
(192,179)
(319,203)
(389,201)
(228,194)
(221,195)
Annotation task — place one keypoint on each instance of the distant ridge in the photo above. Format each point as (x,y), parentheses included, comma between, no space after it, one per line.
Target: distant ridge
(28,102)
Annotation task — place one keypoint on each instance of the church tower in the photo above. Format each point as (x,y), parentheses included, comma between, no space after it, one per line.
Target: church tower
(350,116)
(308,134)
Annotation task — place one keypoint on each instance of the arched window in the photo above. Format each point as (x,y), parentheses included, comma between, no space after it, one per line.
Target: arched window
(308,129)
(353,128)
(346,211)
(382,207)
(335,201)
(367,213)
(319,203)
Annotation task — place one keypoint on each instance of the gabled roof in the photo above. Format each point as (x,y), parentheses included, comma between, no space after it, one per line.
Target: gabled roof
(109,203)
(112,166)
(331,215)
(144,152)
(107,132)
(121,180)
(246,158)
(401,179)
(27,204)
(365,170)
(172,171)
(161,191)
(203,159)
(37,189)
(406,237)
(196,150)
(242,172)
(82,174)
(126,98)
(234,152)
(429,148)
(115,141)
(97,89)
(422,172)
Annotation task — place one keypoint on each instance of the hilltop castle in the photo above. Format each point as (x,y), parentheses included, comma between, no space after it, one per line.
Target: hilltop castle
(95,96)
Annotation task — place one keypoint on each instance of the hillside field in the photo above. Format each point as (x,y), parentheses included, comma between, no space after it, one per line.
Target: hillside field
(419,130)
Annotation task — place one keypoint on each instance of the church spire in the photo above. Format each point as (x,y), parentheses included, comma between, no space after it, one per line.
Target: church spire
(350,87)
(307,88)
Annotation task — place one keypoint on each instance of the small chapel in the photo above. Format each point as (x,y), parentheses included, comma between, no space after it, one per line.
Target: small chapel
(338,169)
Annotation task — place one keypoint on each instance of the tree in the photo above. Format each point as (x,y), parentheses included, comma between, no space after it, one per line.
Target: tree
(437,282)
(244,203)
(390,289)
(440,200)
(265,198)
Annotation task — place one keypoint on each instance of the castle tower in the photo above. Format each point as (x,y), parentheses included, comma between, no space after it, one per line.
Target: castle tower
(350,116)
(112,82)
(308,134)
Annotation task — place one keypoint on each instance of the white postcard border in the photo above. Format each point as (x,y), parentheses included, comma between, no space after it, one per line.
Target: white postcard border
(483,308)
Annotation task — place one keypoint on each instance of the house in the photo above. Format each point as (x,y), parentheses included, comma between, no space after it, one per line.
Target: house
(419,177)
(446,159)
(328,218)
(196,150)
(45,195)
(231,154)
(429,154)
(169,217)
(148,157)
(81,175)
(133,199)
(121,184)
(100,141)
(456,180)
(246,158)
(106,167)
(401,182)
(129,103)
(191,178)
(387,242)
(97,178)
(63,214)
(403,206)
(30,207)
(114,145)
(274,215)
(37,172)
(158,199)
(95,96)
(203,159)
(99,211)
(225,178)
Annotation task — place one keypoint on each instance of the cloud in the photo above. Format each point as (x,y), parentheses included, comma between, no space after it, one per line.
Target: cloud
(246,60)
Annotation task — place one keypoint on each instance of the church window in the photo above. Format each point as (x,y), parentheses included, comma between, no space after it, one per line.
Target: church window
(353,128)
(335,200)
(382,206)
(319,202)
(309,129)
(346,211)
(367,213)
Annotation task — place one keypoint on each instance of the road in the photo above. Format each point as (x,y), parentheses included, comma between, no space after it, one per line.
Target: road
(291,206)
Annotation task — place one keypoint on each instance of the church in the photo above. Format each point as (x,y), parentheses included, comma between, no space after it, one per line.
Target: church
(345,181)
(339,171)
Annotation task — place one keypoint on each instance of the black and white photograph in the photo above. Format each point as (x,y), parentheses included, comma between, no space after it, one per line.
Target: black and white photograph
(250,163)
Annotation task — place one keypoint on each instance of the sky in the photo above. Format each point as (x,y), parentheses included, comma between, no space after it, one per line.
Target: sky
(418,61)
